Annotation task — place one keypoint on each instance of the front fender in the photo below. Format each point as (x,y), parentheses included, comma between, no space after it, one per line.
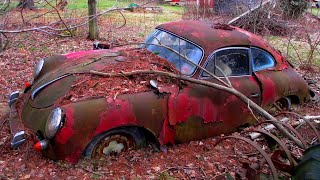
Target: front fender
(87,119)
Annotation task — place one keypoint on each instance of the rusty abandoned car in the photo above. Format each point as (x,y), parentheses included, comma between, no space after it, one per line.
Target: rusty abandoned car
(88,104)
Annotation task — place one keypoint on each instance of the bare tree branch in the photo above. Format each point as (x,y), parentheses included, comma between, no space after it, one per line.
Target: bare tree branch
(213,85)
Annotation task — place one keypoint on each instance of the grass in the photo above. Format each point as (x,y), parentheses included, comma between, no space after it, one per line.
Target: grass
(315,11)
(106,4)
(296,51)
(102,4)
(176,9)
(170,13)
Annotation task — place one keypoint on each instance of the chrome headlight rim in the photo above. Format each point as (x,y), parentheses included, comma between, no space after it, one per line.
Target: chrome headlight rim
(53,123)
(38,68)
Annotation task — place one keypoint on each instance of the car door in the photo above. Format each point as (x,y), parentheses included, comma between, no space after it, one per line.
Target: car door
(212,112)
(261,62)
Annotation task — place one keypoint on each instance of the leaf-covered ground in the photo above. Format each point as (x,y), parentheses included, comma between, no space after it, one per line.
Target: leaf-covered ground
(197,159)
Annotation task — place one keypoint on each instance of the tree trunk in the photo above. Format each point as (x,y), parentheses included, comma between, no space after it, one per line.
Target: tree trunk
(26,4)
(93,26)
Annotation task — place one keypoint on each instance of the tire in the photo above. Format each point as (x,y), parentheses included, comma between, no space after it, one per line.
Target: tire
(309,167)
(114,142)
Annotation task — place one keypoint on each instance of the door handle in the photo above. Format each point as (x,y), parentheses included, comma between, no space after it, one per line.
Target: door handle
(254,95)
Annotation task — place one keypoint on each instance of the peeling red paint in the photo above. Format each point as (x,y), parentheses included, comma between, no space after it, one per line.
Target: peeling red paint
(167,134)
(173,89)
(176,112)
(183,106)
(67,130)
(76,55)
(236,84)
(268,90)
(230,99)
(118,112)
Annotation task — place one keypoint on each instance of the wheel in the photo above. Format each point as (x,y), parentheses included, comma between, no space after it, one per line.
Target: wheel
(309,167)
(282,104)
(115,142)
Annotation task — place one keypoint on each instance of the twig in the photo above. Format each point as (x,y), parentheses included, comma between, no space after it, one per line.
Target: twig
(58,13)
(252,111)
(204,173)
(186,58)
(100,173)
(231,90)
(124,18)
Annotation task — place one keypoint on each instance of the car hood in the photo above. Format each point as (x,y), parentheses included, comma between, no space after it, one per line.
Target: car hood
(55,83)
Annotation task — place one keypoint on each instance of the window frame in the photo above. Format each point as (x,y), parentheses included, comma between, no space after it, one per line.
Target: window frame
(213,54)
(185,39)
(252,60)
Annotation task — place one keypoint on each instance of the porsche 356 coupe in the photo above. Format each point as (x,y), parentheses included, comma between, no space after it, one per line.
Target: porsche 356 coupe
(88,104)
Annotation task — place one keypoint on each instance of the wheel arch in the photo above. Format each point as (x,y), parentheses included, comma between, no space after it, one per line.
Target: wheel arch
(140,131)
(295,99)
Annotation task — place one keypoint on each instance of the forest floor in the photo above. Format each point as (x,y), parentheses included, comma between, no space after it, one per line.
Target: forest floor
(194,160)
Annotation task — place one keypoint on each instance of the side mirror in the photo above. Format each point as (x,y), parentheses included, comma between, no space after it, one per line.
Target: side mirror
(154,84)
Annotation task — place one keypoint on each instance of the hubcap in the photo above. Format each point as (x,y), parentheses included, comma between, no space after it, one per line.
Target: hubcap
(113,145)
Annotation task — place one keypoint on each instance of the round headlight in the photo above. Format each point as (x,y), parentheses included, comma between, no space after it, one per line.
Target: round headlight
(53,123)
(38,68)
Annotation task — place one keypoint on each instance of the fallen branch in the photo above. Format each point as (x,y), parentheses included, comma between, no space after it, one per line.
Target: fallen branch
(304,120)
(231,90)
(269,127)
(248,12)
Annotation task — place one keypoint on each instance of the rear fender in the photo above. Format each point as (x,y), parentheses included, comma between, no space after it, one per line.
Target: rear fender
(283,83)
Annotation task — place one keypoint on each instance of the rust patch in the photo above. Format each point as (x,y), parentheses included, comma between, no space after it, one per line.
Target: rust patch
(223,26)
(183,106)
(119,112)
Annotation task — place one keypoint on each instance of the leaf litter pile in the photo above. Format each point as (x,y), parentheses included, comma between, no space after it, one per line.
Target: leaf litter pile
(88,86)
(194,160)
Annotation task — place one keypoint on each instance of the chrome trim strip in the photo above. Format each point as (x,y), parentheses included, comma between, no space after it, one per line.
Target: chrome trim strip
(46,84)
(13,97)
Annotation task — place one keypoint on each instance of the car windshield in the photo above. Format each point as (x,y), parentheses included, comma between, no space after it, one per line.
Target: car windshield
(159,40)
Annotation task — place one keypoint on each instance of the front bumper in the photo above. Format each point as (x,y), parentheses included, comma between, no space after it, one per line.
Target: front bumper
(16,126)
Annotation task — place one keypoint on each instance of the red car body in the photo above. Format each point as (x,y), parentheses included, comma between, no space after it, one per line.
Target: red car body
(176,112)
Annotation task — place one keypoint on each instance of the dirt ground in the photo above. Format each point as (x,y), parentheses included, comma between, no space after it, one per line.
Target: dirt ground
(195,160)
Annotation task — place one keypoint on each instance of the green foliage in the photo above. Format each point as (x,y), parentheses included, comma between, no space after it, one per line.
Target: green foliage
(315,11)
(293,8)
(166,176)
(105,4)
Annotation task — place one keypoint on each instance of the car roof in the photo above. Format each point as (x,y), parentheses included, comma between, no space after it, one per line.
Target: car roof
(212,36)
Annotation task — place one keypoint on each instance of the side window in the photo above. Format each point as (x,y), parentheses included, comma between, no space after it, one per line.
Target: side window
(261,60)
(232,62)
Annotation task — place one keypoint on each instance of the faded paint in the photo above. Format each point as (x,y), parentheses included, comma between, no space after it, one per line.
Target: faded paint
(175,112)
(76,55)
(118,113)
(183,106)
(167,134)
